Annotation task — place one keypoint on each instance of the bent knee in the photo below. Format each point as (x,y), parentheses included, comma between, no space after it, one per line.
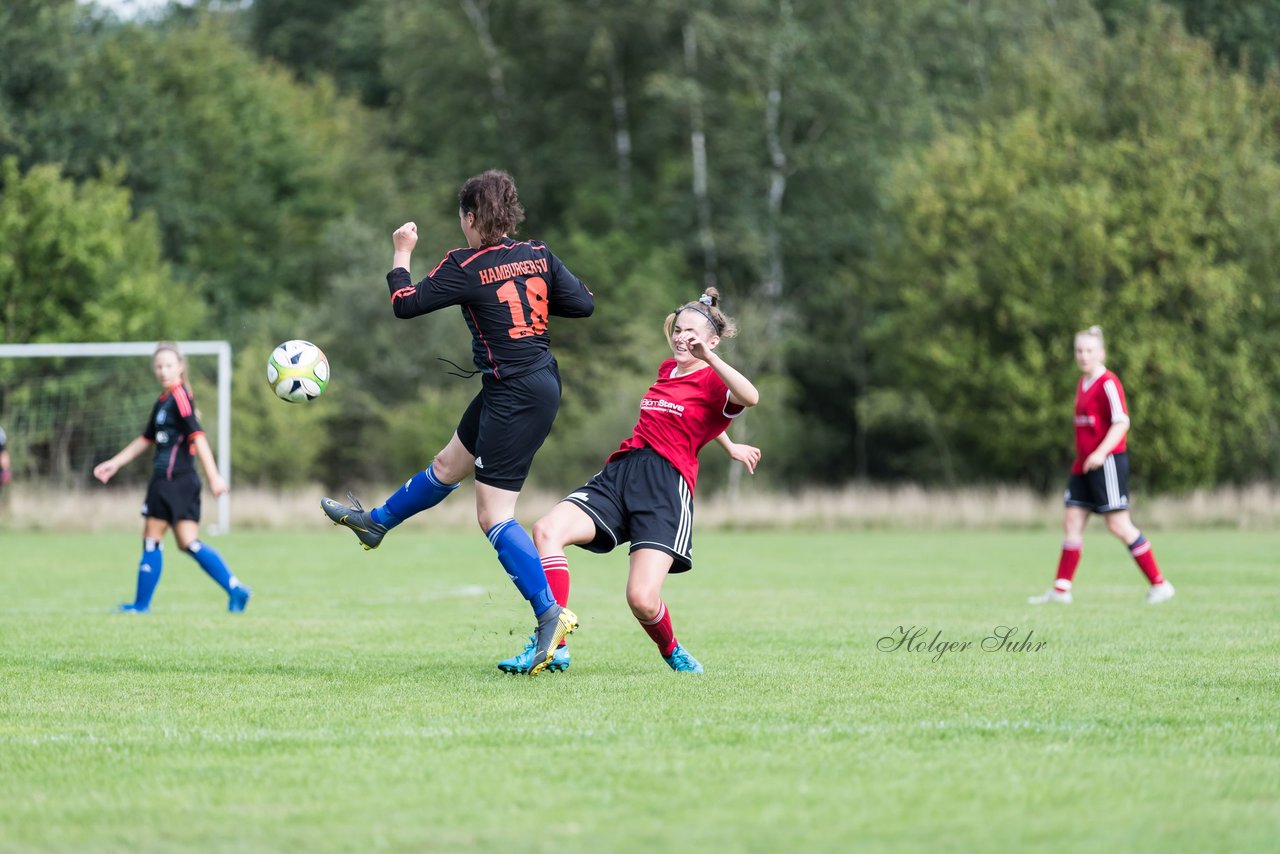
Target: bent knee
(644,604)
(547,534)
(448,471)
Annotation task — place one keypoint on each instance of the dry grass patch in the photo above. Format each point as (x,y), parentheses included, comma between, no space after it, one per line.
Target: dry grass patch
(897,507)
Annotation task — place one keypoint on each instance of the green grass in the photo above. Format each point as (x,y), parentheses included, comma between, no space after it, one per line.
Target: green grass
(356,705)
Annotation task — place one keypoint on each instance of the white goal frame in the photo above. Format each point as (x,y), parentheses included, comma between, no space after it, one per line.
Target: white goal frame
(221,349)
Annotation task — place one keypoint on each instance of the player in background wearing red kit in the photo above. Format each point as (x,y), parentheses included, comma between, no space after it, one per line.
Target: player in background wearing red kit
(644,494)
(1099,480)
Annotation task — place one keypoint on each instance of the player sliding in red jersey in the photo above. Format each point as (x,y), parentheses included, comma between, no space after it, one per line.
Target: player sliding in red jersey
(1099,480)
(644,494)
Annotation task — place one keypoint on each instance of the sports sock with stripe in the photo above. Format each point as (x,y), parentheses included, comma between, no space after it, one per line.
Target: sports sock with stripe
(659,629)
(421,492)
(149,569)
(557,569)
(213,565)
(520,559)
(1067,563)
(1146,559)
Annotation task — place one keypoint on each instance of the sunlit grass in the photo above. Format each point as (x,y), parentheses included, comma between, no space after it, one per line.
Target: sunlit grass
(356,704)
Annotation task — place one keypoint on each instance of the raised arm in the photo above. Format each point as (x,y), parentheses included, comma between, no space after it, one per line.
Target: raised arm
(105,470)
(741,391)
(570,297)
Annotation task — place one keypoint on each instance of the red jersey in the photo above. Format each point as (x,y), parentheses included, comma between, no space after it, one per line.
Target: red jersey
(680,415)
(1099,404)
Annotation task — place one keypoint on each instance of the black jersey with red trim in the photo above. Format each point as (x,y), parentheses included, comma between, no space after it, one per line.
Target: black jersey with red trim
(507,292)
(173,427)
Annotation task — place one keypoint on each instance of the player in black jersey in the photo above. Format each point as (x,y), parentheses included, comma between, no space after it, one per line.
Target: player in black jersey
(507,291)
(173,496)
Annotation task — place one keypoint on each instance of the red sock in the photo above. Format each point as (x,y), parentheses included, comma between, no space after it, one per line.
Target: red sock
(659,628)
(1067,564)
(556,568)
(1146,559)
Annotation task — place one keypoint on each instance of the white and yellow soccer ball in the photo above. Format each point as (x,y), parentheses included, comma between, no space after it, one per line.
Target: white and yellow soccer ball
(297,371)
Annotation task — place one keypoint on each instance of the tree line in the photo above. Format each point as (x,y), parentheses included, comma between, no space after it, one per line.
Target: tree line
(909,208)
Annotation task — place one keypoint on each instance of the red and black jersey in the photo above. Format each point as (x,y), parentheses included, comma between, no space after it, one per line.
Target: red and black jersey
(1099,404)
(173,427)
(679,415)
(507,292)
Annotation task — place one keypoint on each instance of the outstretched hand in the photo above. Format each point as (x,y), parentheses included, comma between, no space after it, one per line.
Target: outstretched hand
(405,237)
(105,471)
(748,455)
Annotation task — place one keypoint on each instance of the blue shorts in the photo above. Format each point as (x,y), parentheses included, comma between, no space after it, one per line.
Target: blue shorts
(1103,490)
(641,498)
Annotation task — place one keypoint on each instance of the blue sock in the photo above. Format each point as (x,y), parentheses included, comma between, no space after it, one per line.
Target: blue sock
(213,564)
(149,569)
(520,559)
(420,492)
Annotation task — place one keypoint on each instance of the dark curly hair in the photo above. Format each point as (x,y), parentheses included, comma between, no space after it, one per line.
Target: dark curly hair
(492,197)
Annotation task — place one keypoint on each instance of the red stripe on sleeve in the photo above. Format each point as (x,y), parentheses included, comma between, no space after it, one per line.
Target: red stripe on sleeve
(184,402)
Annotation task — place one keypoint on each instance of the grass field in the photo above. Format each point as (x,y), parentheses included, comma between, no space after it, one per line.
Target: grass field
(356,705)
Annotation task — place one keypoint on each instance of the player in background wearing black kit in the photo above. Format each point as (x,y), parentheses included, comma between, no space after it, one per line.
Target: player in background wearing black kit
(644,494)
(173,496)
(507,291)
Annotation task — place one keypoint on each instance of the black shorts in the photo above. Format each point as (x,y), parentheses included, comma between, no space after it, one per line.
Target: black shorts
(640,497)
(1103,490)
(507,422)
(173,500)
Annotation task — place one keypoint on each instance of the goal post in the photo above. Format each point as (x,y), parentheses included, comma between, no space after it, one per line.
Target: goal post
(221,349)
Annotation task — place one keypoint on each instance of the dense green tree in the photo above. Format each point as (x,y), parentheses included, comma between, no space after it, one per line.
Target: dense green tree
(335,38)
(77,265)
(242,166)
(1111,194)
(909,207)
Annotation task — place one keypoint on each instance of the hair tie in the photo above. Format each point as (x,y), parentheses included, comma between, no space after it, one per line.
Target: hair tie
(705,299)
(715,325)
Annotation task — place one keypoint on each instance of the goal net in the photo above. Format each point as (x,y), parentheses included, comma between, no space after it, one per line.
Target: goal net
(67,407)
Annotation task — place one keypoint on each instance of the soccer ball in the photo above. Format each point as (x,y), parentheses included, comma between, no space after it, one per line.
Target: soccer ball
(297,371)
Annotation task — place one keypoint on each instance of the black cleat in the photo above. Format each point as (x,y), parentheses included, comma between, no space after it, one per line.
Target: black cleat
(356,518)
(557,622)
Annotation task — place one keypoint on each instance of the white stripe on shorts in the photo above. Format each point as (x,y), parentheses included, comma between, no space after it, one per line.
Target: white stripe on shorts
(684,531)
(1113,483)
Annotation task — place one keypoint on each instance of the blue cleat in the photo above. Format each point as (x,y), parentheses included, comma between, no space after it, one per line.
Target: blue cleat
(131,608)
(681,661)
(239,598)
(522,662)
